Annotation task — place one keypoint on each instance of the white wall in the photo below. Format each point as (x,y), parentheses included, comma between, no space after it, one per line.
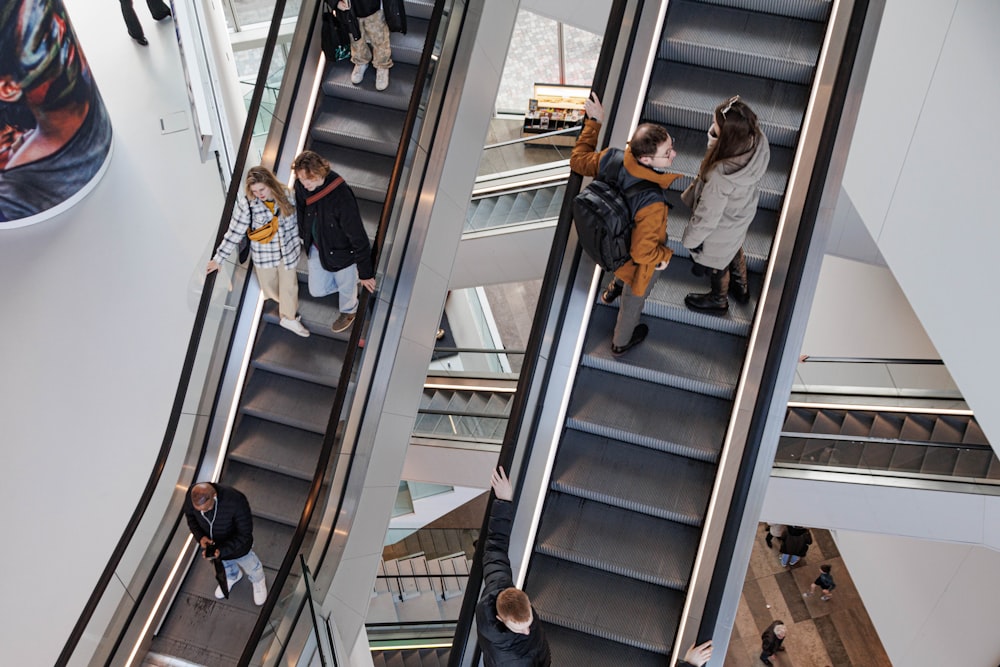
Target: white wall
(921,175)
(97,313)
(932,603)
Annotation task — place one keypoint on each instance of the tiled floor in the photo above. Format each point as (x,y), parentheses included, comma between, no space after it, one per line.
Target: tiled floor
(837,633)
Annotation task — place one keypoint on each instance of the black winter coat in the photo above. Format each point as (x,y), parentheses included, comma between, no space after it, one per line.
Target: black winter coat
(797,541)
(333,224)
(229,524)
(499,645)
(770,642)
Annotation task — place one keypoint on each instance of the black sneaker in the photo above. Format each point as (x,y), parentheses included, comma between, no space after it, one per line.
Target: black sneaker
(638,335)
(612,291)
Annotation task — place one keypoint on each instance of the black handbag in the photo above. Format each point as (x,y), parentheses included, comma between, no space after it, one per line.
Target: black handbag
(334,38)
(395,15)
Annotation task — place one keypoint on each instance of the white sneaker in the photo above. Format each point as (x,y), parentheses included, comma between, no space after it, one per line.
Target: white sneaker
(358,75)
(381,79)
(260,592)
(295,326)
(231,582)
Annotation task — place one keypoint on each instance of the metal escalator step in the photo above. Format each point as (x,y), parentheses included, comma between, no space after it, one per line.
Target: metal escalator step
(316,313)
(604,605)
(973,463)
(378,659)
(789,450)
(337,83)
(994,470)
(735,40)
(411,658)
(520,210)
(857,423)
(917,427)
(649,415)
(631,477)
(817,451)
(845,453)
(540,200)
(364,127)
(569,647)
(813,10)
(480,214)
(691,149)
(828,422)
(498,217)
(887,425)
(366,173)
(673,354)
(974,434)
(313,359)
(939,461)
(617,540)
(908,458)
(288,401)
(756,245)
(877,455)
(799,420)
(666,300)
(272,496)
(283,449)
(555,205)
(948,429)
(271,541)
(421,9)
(682,95)
(407,48)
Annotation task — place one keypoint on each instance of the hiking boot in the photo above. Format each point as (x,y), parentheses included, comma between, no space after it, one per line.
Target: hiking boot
(612,291)
(231,583)
(344,322)
(381,79)
(295,326)
(638,335)
(259,592)
(358,75)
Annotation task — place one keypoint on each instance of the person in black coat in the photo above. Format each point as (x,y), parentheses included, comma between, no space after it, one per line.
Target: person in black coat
(795,545)
(771,641)
(508,627)
(340,255)
(157,8)
(219,517)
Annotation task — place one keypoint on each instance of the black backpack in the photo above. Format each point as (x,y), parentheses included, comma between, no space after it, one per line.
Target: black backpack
(603,216)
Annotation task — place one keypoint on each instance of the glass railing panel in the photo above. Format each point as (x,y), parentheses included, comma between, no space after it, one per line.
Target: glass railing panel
(896,378)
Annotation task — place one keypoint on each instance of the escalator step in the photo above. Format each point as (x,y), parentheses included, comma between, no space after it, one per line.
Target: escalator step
(635,478)
(314,359)
(734,40)
(974,434)
(288,401)
(817,451)
(481,214)
(337,84)
(877,455)
(283,449)
(828,422)
(407,48)
(520,210)
(604,605)
(316,313)
(917,427)
(666,300)
(790,450)
(939,461)
(555,205)
(846,453)
(887,425)
(858,424)
(366,173)
(649,415)
(673,354)
(419,9)
(285,495)
(813,10)
(581,650)
(799,420)
(908,458)
(683,95)
(974,463)
(271,541)
(949,429)
(617,540)
(756,245)
(994,470)
(364,127)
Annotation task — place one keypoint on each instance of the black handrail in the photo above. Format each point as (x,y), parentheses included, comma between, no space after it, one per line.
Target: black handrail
(809,359)
(235,187)
(333,439)
(782,327)
(536,339)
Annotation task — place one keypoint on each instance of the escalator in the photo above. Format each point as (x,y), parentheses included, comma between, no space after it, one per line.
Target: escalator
(291,383)
(637,448)
(537,203)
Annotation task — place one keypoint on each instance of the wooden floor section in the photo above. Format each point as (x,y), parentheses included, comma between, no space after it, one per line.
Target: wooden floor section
(837,633)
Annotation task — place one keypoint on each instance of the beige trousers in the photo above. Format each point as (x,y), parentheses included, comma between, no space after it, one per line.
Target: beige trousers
(374,30)
(282,285)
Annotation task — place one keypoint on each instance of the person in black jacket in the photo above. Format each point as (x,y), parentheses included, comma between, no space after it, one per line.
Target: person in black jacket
(771,641)
(219,518)
(795,545)
(157,8)
(508,628)
(340,255)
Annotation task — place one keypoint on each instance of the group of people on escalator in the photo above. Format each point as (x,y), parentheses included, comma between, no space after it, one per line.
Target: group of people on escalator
(324,219)
(722,197)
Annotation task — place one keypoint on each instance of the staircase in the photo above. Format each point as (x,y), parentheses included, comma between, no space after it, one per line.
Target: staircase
(637,459)
(527,205)
(889,441)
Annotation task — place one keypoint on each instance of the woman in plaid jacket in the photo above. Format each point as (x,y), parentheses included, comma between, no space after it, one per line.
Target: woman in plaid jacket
(267,216)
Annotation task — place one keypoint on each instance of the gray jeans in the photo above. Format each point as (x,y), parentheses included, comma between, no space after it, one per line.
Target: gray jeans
(629,312)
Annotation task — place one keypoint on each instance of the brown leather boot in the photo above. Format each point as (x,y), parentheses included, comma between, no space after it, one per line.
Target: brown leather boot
(715,302)
(739,285)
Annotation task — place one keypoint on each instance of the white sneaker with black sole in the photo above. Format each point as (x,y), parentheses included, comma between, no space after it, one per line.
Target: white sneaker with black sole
(231,582)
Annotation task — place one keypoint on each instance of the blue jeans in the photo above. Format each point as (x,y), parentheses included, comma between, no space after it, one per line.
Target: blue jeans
(344,282)
(248,563)
(785,560)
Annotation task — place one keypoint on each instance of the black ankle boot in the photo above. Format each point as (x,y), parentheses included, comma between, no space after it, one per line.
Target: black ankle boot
(739,285)
(715,302)
(158,9)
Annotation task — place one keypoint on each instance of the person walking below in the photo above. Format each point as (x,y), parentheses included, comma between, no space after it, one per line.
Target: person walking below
(723,201)
(267,217)
(771,641)
(823,582)
(774,530)
(795,545)
(157,8)
(340,255)
(646,158)
(219,517)
(373,47)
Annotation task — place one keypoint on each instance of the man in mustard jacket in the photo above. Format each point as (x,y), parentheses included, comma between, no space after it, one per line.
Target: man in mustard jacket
(648,155)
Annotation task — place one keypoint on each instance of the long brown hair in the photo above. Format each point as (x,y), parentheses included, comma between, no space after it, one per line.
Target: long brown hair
(738,134)
(266,177)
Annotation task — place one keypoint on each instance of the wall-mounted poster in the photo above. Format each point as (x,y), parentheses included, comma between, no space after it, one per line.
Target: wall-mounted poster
(55,135)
